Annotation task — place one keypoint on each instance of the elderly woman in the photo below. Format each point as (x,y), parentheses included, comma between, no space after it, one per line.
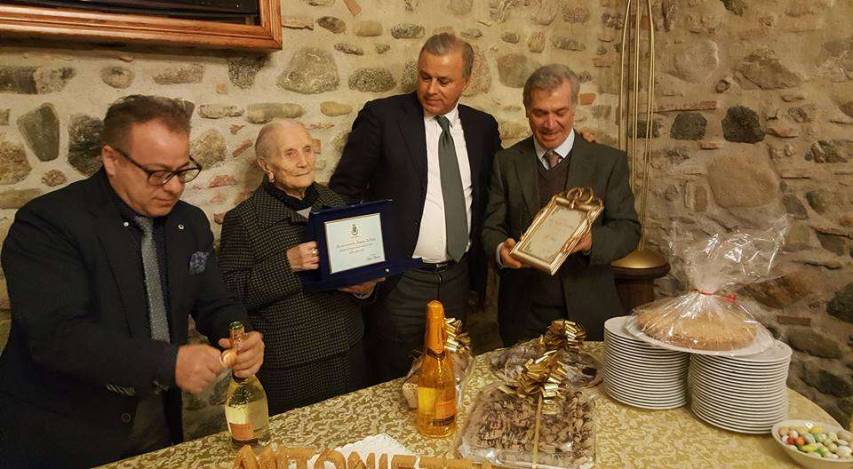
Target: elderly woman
(314,347)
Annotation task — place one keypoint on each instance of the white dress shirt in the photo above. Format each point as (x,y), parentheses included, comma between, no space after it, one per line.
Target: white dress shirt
(563,150)
(432,237)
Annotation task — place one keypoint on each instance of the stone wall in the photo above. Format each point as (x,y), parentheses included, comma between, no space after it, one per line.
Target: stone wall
(753,116)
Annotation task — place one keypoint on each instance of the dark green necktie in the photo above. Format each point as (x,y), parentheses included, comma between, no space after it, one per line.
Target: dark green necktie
(455,212)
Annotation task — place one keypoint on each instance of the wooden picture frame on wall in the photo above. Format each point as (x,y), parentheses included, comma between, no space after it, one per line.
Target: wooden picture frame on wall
(102,27)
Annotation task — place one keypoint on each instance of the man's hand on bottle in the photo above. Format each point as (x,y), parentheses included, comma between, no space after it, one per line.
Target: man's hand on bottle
(250,355)
(197,367)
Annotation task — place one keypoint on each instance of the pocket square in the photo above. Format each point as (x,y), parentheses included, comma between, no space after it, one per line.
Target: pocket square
(198,262)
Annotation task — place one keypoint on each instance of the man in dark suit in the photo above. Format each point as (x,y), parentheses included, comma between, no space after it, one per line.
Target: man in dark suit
(432,156)
(102,276)
(524,178)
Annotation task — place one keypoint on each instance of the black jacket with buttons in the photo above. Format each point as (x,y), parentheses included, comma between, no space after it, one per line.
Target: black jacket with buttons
(79,354)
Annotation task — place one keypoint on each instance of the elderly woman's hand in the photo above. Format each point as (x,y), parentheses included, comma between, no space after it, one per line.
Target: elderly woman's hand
(362,290)
(303,256)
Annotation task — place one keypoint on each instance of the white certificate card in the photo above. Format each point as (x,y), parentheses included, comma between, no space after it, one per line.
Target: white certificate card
(354,242)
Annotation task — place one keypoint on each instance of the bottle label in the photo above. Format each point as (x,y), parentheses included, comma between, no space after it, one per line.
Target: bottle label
(445,412)
(241,431)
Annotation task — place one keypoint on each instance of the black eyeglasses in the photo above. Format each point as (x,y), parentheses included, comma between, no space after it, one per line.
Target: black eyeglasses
(161,177)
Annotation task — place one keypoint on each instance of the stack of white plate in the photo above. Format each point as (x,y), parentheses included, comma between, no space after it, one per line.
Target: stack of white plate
(642,375)
(744,394)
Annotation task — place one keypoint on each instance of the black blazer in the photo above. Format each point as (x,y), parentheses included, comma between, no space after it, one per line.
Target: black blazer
(80,324)
(386,158)
(298,327)
(588,285)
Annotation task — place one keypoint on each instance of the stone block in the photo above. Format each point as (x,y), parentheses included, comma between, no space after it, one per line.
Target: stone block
(243,69)
(349,48)
(514,69)
(218,111)
(536,42)
(739,181)
(40,129)
(510,37)
(788,289)
(696,61)
(830,151)
(762,69)
(833,243)
(372,80)
(737,7)
(332,23)
(84,143)
(16,198)
(117,77)
(14,166)
(567,43)
(794,207)
(472,33)
(836,57)
(828,382)
(261,113)
(480,81)
(310,71)
(34,80)
(546,12)
(180,74)
(841,304)
(814,343)
(460,7)
(209,148)
(54,178)
(407,31)
(332,108)
(688,126)
(575,14)
(741,124)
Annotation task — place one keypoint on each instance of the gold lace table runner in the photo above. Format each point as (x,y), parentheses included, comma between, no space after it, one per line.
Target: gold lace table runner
(626,436)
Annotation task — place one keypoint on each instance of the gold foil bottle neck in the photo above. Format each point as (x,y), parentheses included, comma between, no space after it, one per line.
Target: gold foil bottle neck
(434,340)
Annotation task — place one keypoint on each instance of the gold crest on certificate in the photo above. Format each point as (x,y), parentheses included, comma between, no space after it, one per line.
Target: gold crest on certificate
(558,228)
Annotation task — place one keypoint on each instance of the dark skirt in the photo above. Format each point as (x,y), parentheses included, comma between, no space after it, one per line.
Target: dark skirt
(308,383)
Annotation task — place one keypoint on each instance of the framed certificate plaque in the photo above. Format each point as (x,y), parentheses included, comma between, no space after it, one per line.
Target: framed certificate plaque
(558,228)
(353,246)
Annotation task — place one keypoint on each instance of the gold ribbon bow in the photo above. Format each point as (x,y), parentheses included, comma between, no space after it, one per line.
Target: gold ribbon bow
(455,340)
(563,334)
(543,378)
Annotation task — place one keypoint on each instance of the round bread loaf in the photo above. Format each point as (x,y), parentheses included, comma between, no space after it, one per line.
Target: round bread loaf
(721,330)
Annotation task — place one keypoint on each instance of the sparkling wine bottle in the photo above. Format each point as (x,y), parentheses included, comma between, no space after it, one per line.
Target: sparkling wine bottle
(436,415)
(246,408)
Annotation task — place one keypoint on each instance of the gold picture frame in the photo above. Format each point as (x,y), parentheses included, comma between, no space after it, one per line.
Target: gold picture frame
(102,27)
(558,228)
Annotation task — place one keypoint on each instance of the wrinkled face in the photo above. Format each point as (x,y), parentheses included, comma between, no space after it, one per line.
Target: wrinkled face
(551,115)
(440,81)
(155,147)
(290,159)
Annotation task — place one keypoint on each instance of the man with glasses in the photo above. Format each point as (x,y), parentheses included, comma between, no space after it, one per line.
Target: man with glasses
(102,276)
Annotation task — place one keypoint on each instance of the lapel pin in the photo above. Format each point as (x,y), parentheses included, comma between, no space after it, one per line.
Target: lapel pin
(180,227)
(126,224)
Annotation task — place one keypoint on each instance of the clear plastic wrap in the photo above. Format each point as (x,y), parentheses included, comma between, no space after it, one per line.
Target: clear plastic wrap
(536,420)
(565,337)
(458,344)
(709,318)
